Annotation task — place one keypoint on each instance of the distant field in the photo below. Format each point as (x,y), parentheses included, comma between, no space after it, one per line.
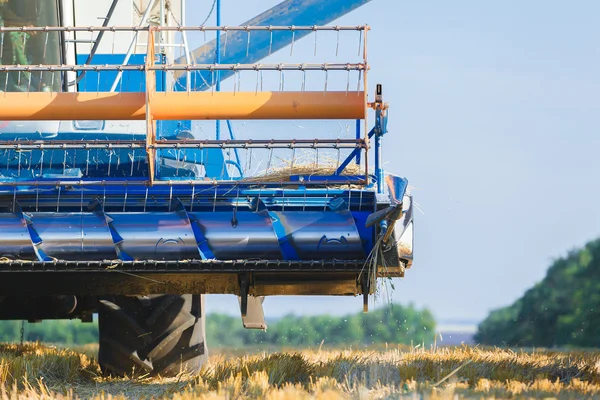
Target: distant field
(34,371)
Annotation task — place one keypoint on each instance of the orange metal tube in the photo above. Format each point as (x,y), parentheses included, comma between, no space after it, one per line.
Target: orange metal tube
(258,105)
(182,105)
(72,106)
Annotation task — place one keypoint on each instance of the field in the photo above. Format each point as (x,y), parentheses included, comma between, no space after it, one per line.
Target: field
(35,371)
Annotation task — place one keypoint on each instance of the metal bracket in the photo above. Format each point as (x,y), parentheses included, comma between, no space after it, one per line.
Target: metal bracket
(255,316)
(244,280)
(365,284)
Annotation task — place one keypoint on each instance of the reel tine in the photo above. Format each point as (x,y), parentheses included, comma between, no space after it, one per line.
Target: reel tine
(235,73)
(348,82)
(114,36)
(257,79)
(65,162)
(42,161)
(360,200)
(215,199)
(293,160)
(192,198)
(337,46)
(146,199)
(315,30)
(212,80)
(58,198)
(349,195)
(29,82)
(270,159)
(293,39)
(248,43)
(45,46)
(87,162)
(270,39)
(110,154)
(19,155)
(250,160)
(280,80)
(226,39)
(360,41)
(132,161)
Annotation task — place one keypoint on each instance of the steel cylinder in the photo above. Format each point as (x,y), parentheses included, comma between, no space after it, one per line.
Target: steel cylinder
(180,235)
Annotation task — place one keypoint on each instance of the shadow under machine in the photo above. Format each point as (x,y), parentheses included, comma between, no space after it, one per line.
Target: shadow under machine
(115,200)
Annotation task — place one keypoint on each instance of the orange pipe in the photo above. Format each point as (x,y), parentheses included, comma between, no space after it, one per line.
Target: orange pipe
(42,106)
(182,105)
(258,105)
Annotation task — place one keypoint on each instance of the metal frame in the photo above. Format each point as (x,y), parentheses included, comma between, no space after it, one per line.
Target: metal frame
(152,111)
(265,278)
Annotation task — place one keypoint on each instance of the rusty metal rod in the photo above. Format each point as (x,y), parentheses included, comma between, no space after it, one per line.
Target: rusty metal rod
(186,67)
(111,183)
(179,28)
(182,144)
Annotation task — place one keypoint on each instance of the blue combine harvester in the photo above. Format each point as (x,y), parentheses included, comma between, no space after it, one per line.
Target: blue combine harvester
(114,203)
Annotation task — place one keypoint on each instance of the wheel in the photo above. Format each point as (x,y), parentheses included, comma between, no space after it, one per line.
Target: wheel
(156,335)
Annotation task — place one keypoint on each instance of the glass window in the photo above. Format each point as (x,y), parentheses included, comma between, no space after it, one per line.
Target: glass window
(28,48)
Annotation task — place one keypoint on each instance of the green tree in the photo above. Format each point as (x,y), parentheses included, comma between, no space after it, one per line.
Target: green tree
(561,310)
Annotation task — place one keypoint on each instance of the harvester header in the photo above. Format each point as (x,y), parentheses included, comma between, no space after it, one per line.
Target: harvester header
(111,186)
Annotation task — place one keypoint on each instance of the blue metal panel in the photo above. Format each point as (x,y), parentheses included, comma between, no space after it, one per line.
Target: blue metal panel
(131,81)
(287,13)
(288,252)
(397,187)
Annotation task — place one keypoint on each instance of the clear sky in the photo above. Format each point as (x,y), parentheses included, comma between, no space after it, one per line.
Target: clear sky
(495,119)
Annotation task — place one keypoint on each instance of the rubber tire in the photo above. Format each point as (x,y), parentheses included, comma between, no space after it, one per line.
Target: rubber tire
(156,335)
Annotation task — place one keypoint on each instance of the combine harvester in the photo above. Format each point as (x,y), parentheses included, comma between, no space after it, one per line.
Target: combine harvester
(113,202)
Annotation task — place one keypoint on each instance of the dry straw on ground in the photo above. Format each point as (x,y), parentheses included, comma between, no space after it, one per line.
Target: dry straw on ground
(39,372)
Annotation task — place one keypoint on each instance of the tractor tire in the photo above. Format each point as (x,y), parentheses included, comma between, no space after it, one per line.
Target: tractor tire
(155,335)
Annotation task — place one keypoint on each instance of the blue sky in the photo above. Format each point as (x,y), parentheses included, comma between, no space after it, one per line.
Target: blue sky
(495,120)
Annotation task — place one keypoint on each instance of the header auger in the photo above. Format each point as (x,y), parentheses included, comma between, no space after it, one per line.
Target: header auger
(112,201)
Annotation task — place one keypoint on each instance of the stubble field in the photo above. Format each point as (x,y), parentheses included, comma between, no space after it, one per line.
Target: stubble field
(35,371)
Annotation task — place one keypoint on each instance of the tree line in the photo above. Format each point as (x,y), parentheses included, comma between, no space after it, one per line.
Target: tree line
(561,310)
(394,324)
